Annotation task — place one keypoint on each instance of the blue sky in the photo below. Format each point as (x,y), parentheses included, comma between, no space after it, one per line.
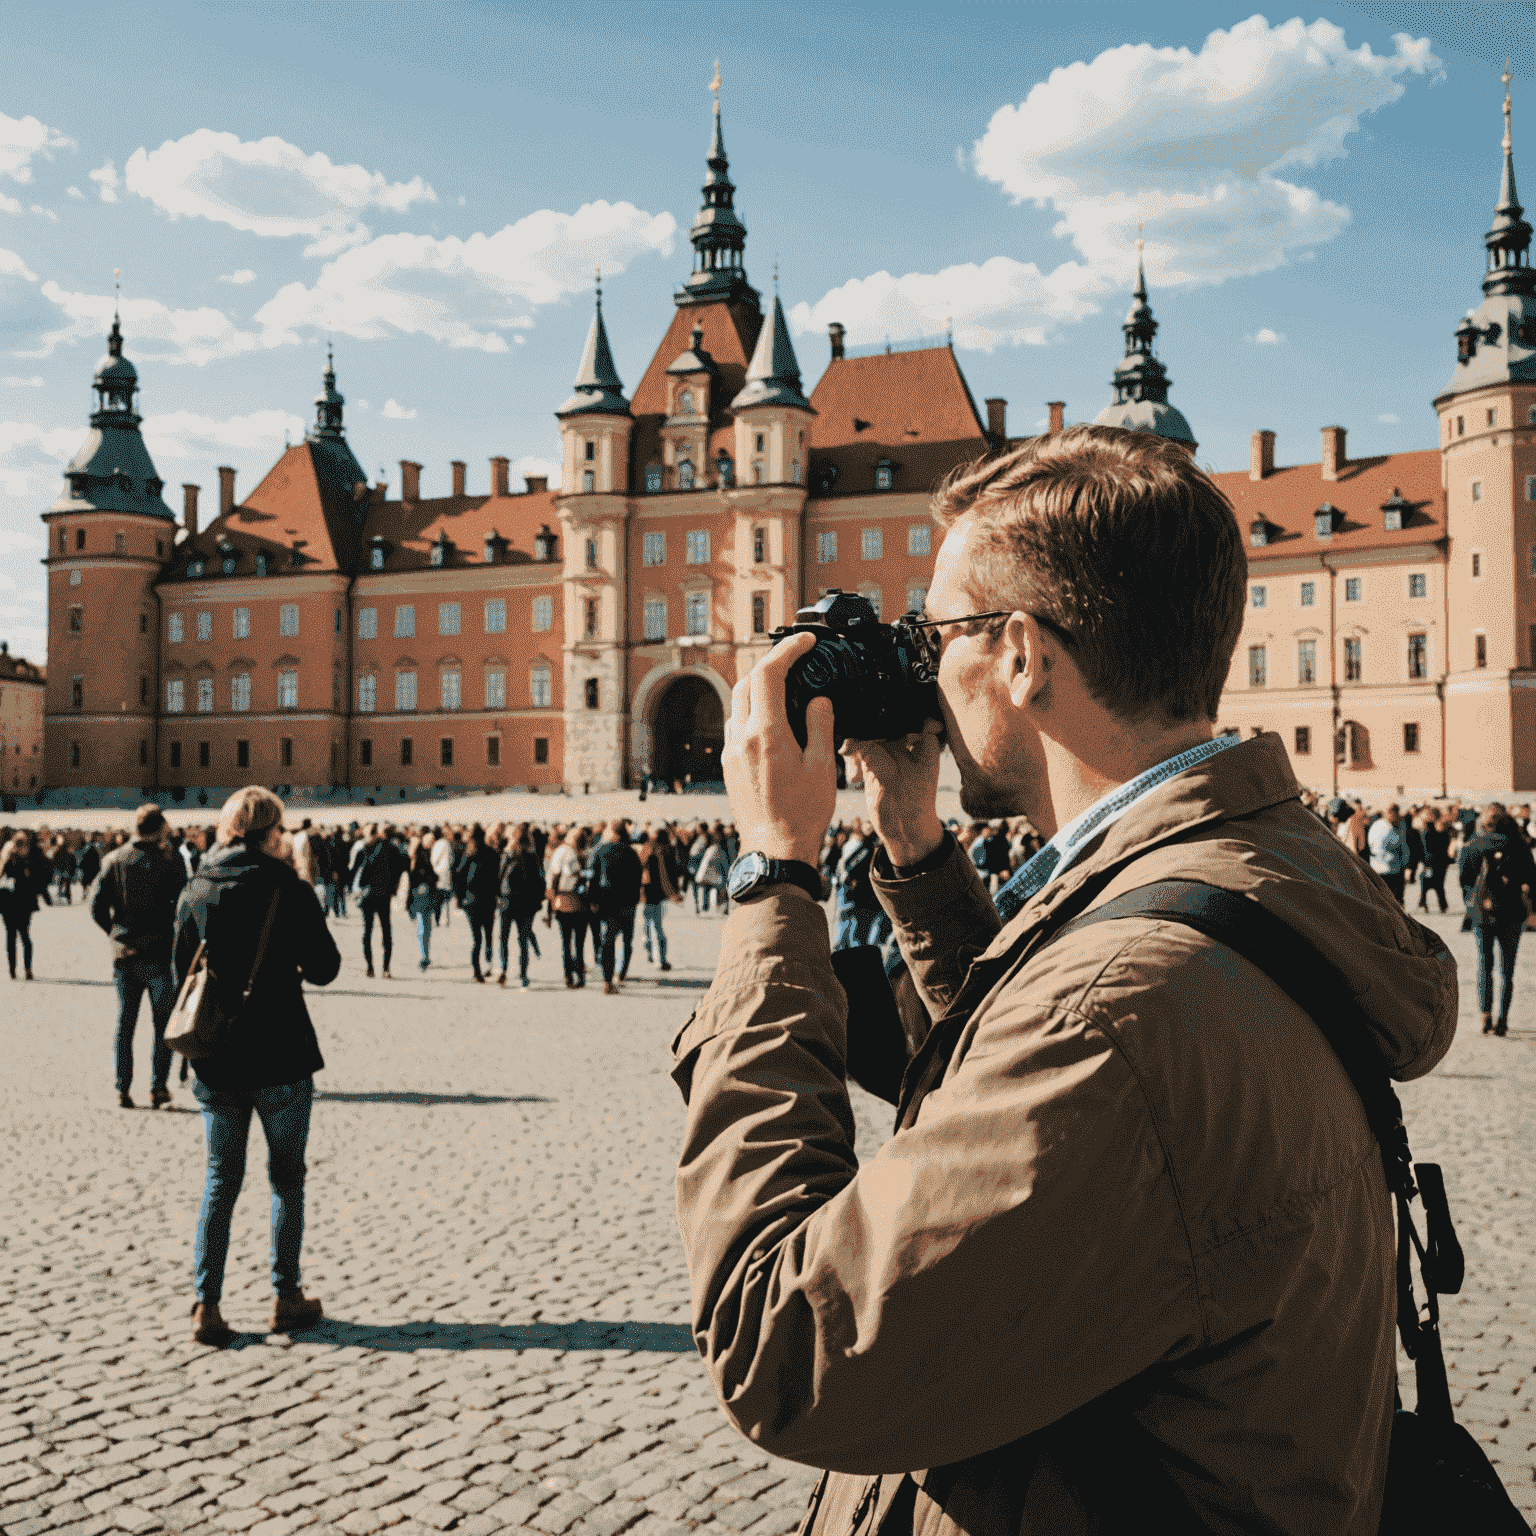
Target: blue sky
(432,186)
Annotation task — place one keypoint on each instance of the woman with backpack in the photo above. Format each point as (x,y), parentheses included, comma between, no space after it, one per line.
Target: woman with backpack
(24,876)
(522,894)
(568,898)
(421,903)
(262,933)
(1503,876)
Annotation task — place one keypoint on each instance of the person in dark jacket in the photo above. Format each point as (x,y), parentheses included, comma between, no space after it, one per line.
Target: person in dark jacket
(477,884)
(63,871)
(422,901)
(134,901)
(267,1054)
(24,875)
(614,892)
(521,896)
(1500,877)
(378,877)
(1436,837)
(88,862)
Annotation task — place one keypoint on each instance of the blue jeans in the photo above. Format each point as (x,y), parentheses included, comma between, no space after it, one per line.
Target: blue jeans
(653,914)
(284,1115)
(135,977)
(861,925)
(424,932)
(338,894)
(611,927)
(1507,937)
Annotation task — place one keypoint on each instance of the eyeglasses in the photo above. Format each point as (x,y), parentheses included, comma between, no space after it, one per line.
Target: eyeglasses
(925,632)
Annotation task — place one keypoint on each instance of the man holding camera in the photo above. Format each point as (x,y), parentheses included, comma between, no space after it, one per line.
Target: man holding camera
(1127,1261)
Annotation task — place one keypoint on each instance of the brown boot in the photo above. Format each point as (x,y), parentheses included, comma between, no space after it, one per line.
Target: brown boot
(208,1326)
(295,1311)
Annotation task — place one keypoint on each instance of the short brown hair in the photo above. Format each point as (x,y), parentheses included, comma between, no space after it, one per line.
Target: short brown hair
(1122,542)
(148,820)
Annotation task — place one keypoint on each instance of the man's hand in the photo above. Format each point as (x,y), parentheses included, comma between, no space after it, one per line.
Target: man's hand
(901,785)
(782,798)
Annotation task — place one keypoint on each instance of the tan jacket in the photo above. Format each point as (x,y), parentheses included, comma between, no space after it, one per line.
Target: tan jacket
(1143,1173)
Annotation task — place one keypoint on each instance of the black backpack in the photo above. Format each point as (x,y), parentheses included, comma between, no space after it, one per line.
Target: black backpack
(1496,891)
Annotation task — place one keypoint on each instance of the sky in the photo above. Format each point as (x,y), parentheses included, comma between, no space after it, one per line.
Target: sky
(432,188)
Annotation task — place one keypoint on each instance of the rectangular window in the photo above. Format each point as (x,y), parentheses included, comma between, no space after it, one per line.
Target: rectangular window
(696,613)
(1477,564)
(204,753)
(175,695)
(1303,740)
(493,753)
(367,623)
(1260,596)
(287,690)
(77,692)
(1410,736)
(826,548)
(495,688)
(1418,585)
(590,617)
(1308,594)
(1480,649)
(591,693)
(541,755)
(918,536)
(1477,490)
(406,752)
(1306,663)
(655,617)
(143,690)
(336,620)
(917,599)
(74,754)
(365,753)
(759,546)
(1530,481)
(76,618)
(175,754)
(698,546)
(405,690)
(445,752)
(591,554)
(205,626)
(335,690)
(451,682)
(205,695)
(242,623)
(654,549)
(240,691)
(1418,657)
(242,754)
(1351,589)
(447,618)
(1352,661)
(286,752)
(496,615)
(871,543)
(175,627)
(759,613)
(1258,667)
(405,621)
(367,694)
(543,615)
(538,687)
(288,619)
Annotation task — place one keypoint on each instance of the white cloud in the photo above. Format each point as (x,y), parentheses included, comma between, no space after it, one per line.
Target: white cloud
(25,139)
(1193,143)
(267,187)
(9,204)
(397,412)
(467,292)
(243,276)
(11,541)
(15,381)
(11,265)
(155,331)
(47,213)
(76,193)
(1390,418)
(360,405)
(187,435)
(31,460)
(106,180)
(1265,337)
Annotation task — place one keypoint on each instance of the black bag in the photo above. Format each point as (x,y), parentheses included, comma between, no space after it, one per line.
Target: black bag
(1496,891)
(1438,1477)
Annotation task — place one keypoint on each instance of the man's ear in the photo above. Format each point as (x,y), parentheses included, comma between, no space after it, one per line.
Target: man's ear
(1026,660)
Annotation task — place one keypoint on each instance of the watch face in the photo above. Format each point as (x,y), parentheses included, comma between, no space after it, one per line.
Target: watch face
(745,873)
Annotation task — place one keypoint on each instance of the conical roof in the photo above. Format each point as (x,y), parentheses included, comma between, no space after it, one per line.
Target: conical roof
(599,390)
(1141,382)
(773,375)
(1508,240)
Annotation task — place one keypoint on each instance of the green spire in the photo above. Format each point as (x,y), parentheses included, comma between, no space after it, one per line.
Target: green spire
(773,376)
(599,390)
(1508,240)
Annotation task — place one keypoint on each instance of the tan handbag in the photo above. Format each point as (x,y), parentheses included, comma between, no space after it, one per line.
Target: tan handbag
(197,1021)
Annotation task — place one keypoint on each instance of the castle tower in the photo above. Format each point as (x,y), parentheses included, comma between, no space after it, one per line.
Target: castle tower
(1487,414)
(595,427)
(1141,382)
(718,236)
(109,533)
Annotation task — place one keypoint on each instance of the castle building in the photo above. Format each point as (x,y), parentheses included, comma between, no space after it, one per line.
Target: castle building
(22,707)
(323,635)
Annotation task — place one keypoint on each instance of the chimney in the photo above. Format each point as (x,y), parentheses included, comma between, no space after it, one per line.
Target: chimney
(835,331)
(410,481)
(226,490)
(997,418)
(1058,410)
(458,477)
(360,490)
(1261,455)
(537,484)
(1334,456)
(189,509)
(499,484)
(380,491)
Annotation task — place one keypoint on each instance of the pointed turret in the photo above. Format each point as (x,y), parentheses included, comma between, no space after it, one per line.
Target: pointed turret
(718,235)
(599,390)
(328,406)
(773,376)
(1141,382)
(1508,240)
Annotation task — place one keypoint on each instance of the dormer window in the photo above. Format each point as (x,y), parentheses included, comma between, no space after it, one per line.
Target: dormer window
(1392,510)
(194,568)
(437,553)
(685,475)
(544,544)
(261,565)
(230,557)
(685,403)
(1325,521)
(376,555)
(1258,533)
(726,471)
(884,474)
(653,478)
(492,544)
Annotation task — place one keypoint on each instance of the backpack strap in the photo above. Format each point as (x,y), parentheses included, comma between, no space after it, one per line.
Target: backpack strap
(261,946)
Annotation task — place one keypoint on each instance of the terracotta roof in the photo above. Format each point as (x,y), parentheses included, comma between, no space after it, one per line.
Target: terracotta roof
(1289,499)
(411,528)
(914,408)
(19,669)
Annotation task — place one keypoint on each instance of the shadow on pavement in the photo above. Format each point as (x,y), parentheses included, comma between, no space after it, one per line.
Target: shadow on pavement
(69,981)
(663,1338)
(686,983)
(392,1097)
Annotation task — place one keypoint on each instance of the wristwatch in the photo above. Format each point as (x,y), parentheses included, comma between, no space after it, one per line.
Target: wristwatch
(753,873)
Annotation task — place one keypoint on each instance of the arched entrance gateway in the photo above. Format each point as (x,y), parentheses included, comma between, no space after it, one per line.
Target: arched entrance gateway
(687,732)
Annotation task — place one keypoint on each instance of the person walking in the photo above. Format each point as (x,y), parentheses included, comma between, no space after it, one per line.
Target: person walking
(859,918)
(24,876)
(478,886)
(338,863)
(134,901)
(88,861)
(1436,835)
(307,861)
(519,898)
(442,865)
(615,893)
(1499,901)
(712,871)
(1389,850)
(63,870)
(656,890)
(421,903)
(568,899)
(696,851)
(379,868)
(266,1055)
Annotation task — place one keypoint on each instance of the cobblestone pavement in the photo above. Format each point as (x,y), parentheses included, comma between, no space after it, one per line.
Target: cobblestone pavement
(491,1228)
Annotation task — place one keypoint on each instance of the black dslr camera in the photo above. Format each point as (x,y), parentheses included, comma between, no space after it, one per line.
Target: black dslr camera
(879,677)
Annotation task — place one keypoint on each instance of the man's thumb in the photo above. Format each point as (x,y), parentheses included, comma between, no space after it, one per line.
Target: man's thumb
(818,733)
